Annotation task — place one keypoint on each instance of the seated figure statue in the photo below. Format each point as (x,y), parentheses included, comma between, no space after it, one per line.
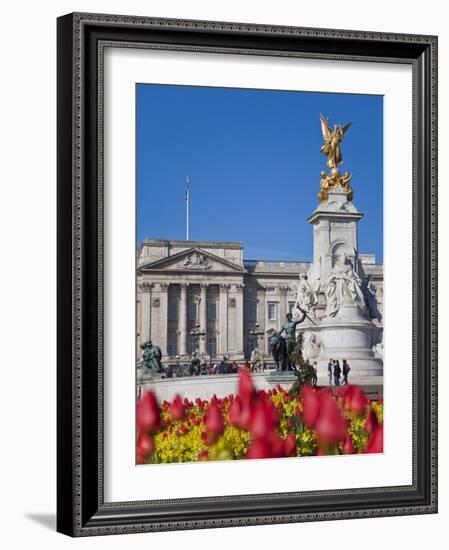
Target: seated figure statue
(151,358)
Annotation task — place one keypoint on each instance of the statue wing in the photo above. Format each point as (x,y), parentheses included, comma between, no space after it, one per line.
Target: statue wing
(345,127)
(325,129)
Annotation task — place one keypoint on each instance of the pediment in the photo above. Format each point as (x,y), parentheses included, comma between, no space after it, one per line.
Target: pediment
(192,260)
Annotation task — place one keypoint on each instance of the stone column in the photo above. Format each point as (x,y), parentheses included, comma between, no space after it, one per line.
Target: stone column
(223,319)
(203,316)
(239,320)
(261,316)
(282,304)
(145,331)
(163,318)
(183,318)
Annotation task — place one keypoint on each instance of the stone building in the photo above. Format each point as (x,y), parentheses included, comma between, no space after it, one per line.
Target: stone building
(181,284)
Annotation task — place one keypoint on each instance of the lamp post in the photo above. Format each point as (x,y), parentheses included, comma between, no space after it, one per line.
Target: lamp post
(256,333)
(256,358)
(197,332)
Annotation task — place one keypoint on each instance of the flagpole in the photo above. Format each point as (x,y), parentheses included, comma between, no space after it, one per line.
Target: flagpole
(187,207)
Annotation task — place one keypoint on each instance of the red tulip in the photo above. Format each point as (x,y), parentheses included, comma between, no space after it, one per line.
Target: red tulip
(277,445)
(239,413)
(348,447)
(330,426)
(177,409)
(145,445)
(148,415)
(259,448)
(234,413)
(371,422)
(311,404)
(203,455)
(263,418)
(376,442)
(354,399)
(209,438)
(290,445)
(246,389)
(213,420)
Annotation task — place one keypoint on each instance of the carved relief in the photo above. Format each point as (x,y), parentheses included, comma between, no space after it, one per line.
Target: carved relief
(343,285)
(195,260)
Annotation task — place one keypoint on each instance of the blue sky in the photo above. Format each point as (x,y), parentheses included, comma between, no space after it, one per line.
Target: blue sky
(254,161)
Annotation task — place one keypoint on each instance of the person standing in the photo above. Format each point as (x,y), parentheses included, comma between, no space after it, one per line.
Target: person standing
(346,369)
(337,372)
(314,374)
(330,371)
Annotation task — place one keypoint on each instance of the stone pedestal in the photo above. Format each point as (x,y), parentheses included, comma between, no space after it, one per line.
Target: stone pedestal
(349,336)
(350,333)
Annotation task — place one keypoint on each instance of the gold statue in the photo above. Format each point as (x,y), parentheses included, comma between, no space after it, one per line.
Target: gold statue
(332,141)
(331,148)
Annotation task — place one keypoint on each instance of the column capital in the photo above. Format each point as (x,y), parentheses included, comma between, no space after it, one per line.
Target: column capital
(184,286)
(146,287)
(164,286)
(224,287)
(204,286)
(239,288)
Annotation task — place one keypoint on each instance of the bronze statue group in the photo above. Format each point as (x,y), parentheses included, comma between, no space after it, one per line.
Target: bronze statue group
(286,349)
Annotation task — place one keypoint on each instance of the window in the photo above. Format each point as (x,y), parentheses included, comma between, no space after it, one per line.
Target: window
(172,311)
(250,311)
(291,305)
(272,312)
(267,341)
(249,345)
(192,311)
(172,343)
(212,344)
(212,311)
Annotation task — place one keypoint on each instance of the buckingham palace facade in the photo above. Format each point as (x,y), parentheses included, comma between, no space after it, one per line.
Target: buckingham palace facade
(181,284)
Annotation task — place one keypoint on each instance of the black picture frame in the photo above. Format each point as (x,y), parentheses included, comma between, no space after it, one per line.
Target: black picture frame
(81,510)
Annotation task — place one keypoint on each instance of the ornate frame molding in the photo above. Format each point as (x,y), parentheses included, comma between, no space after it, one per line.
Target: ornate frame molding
(81,41)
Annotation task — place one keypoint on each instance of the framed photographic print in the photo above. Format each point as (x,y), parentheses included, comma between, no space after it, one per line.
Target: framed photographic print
(246,274)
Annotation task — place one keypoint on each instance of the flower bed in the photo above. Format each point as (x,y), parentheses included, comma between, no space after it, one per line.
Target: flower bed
(259,424)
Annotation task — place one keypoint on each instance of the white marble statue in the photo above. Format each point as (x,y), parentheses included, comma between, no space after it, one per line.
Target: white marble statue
(370,292)
(306,298)
(343,286)
(256,360)
(379,349)
(313,347)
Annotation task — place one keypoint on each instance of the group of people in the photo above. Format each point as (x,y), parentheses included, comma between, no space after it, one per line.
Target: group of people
(336,372)
(197,367)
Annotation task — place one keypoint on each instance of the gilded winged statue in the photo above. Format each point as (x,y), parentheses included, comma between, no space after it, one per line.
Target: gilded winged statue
(332,140)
